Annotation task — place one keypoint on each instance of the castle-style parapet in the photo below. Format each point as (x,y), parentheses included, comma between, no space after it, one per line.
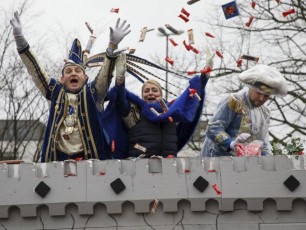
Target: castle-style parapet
(232,192)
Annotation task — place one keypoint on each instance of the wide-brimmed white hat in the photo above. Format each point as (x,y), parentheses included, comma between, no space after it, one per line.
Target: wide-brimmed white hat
(266,79)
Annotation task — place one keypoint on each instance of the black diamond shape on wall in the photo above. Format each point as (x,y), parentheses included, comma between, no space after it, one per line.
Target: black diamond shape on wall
(117,185)
(42,189)
(200,184)
(291,183)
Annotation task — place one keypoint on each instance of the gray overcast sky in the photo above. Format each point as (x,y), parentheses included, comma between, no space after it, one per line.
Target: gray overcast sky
(71,15)
(59,17)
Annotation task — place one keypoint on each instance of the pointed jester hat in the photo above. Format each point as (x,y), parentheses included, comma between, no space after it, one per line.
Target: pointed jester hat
(75,56)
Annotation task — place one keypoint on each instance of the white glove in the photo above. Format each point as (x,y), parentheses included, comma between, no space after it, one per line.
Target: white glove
(241,138)
(120,68)
(16,24)
(209,58)
(17,32)
(118,33)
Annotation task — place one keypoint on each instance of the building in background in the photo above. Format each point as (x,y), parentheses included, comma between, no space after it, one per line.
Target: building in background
(21,139)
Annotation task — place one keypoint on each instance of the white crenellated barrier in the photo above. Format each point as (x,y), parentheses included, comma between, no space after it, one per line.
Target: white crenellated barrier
(204,193)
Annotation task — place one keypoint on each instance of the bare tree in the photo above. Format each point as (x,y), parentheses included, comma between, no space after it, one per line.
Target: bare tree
(271,31)
(23,111)
(276,36)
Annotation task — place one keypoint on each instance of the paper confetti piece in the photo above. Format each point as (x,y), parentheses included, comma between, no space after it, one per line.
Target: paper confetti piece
(191,72)
(206,70)
(169,60)
(249,22)
(193,93)
(239,62)
(89,27)
(253,4)
(132,50)
(219,54)
(286,13)
(209,35)
(113,146)
(172,42)
(185,12)
(215,187)
(186,45)
(190,36)
(183,17)
(194,49)
(154,206)
(140,147)
(190,2)
(115,10)
(143,34)
(250,58)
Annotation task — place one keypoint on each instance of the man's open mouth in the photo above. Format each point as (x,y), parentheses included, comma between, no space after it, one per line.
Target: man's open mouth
(74,81)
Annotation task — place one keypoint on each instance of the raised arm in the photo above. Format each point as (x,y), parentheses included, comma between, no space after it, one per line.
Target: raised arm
(17,32)
(39,74)
(209,65)
(103,80)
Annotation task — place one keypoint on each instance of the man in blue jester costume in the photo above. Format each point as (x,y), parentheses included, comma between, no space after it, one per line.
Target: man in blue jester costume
(73,129)
(150,126)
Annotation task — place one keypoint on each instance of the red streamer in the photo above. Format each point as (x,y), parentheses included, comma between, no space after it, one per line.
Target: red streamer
(115,10)
(206,70)
(169,60)
(191,72)
(253,4)
(219,54)
(194,49)
(172,42)
(193,93)
(239,62)
(215,187)
(209,35)
(249,22)
(185,12)
(183,17)
(186,45)
(286,13)
(113,146)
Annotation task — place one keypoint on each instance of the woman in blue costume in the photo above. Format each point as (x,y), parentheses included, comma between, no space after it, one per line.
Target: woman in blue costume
(150,126)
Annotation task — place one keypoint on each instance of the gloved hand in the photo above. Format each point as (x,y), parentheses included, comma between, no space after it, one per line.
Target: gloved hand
(118,33)
(16,24)
(209,58)
(120,68)
(17,32)
(241,138)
